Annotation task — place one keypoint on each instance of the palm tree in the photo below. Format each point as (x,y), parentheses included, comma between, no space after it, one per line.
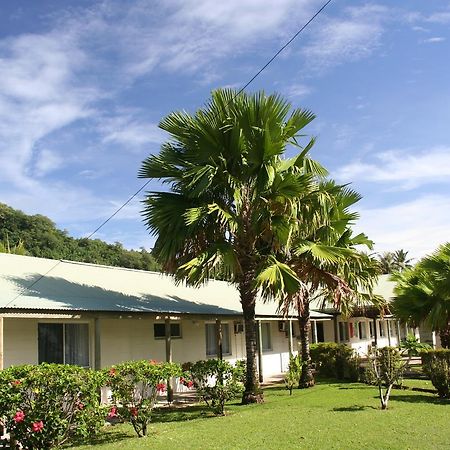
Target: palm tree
(328,261)
(401,260)
(387,264)
(232,198)
(422,294)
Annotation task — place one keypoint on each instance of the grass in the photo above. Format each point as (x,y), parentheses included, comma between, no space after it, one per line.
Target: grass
(328,416)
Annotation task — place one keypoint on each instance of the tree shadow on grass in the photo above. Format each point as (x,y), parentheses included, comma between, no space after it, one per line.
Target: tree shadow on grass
(419,398)
(106,436)
(177,414)
(354,408)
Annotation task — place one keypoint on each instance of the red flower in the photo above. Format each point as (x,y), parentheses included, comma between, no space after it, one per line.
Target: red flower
(160,387)
(190,383)
(37,426)
(112,412)
(134,411)
(16,382)
(112,372)
(19,416)
(153,362)
(79,405)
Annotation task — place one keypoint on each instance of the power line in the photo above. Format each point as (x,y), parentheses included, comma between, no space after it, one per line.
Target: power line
(250,81)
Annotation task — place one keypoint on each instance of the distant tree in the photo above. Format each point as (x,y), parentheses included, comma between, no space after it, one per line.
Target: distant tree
(38,236)
(397,261)
(422,294)
(386,262)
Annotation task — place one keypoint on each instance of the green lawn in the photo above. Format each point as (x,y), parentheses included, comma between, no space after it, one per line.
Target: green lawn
(328,416)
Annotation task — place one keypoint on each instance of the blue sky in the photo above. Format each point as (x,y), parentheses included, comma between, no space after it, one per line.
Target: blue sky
(84,85)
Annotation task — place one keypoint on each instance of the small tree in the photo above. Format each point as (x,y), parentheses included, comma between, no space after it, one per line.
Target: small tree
(388,367)
(436,365)
(411,346)
(135,386)
(294,373)
(217,381)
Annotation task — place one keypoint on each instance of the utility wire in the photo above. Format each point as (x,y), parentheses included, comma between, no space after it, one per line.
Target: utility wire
(250,81)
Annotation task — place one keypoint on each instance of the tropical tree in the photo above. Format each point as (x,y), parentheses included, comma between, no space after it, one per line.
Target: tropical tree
(401,260)
(232,198)
(386,260)
(422,294)
(328,260)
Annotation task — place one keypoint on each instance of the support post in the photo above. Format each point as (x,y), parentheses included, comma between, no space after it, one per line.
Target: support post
(399,337)
(1,344)
(375,331)
(388,326)
(219,343)
(168,339)
(97,345)
(314,331)
(260,356)
(291,339)
(336,329)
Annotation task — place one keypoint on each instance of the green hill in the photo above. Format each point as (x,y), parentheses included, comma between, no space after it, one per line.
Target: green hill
(38,236)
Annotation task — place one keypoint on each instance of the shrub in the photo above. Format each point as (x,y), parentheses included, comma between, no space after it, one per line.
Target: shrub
(436,365)
(387,369)
(294,373)
(50,404)
(335,360)
(135,386)
(217,381)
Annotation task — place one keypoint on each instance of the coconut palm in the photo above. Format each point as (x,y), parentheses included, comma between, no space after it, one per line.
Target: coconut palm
(387,262)
(422,294)
(331,266)
(232,198)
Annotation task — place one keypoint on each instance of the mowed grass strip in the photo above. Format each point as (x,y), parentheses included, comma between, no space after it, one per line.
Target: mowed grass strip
(328,416)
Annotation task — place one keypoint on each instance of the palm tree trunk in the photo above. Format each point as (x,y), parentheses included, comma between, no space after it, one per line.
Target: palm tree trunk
(252,392)
(445,337)
(304,321)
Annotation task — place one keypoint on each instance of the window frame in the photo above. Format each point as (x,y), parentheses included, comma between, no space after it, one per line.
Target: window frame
(213,326)
(268,328)
(172,336)
(63,325)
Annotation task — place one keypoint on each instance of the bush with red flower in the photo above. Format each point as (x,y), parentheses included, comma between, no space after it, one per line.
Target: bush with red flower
(46,405)
(135,386)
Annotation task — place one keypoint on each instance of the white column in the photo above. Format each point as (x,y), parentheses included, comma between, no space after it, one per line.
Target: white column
(1,343)
(291,340)
(260,356)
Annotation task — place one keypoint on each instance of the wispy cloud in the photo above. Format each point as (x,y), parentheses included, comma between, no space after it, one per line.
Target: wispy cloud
(356,35)
(434,40)
(401,169)
(419,225)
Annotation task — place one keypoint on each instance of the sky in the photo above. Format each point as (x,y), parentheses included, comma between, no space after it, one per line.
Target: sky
(84,84)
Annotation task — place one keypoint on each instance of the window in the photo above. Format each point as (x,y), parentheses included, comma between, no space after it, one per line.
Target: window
(211,339)
(381,328)
(159,330)
(266,337)
(343,331)
(392,328)
(320,332)
(362,330)
(63,343)
(371,330)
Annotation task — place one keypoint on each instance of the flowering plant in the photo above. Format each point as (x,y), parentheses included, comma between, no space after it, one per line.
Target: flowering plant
(50,404)
(135,386)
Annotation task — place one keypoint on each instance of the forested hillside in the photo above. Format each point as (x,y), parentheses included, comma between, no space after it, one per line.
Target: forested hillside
(38,236)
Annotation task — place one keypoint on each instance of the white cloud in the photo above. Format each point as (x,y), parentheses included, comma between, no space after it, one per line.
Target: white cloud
(47,162)
(402,169)
(297,90)
(419,225)
(433,40)
(350,38)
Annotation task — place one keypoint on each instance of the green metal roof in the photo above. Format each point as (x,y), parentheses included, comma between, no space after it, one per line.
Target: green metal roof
(73,286)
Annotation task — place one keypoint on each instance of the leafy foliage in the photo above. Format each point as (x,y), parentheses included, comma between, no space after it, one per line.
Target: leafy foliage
(334,360)
(412,346)
(135,386)
(38,236)
(436,365)
(422,294)
(397,261)
(294,372)
(387,368)
(217,381)
(50,404)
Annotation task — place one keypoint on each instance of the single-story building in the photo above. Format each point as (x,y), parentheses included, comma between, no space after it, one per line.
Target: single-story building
(96,316)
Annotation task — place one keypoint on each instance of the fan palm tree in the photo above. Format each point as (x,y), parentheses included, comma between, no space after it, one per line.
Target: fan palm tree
(422,294)
(401,260)
(232,198)
(330,265)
